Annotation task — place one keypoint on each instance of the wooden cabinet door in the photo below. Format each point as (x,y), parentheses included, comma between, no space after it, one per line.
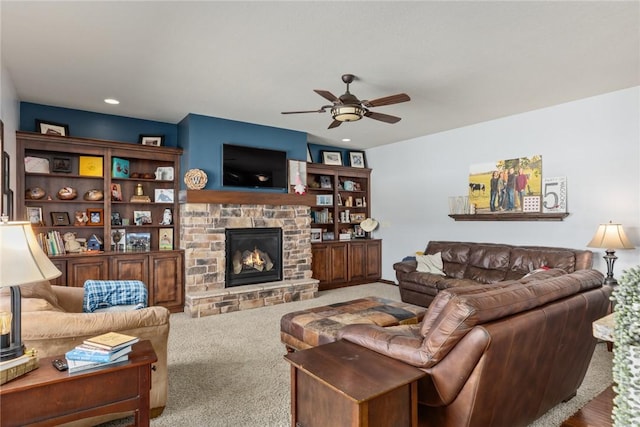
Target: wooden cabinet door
(166,280)
(130,267)
(339,268)
(373,260)
(61,265)
(357,261)
(86,268)
(320,263)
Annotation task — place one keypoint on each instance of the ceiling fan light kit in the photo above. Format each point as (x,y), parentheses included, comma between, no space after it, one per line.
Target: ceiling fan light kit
(348,108)
(347,113)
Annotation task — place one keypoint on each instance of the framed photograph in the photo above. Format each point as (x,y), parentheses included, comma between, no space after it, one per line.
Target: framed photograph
(357,159)
(116,193)
(359,202)
(164,173)
(116,218)
(331,157)
(34,215)
(61,165)
(324,199)
(142,217)
(60,218)
(165,239)
(358,217)
(325,182)
(328,235)
(51,128)
(138,242)
(316,235)
(339,199)
(358,232)
(309,158)
(156,140)
(96,216)
(163,195)
(118,240)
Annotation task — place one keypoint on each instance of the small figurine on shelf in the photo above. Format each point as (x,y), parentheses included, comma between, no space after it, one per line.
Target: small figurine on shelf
(81,218)
(71,245)
(167,217)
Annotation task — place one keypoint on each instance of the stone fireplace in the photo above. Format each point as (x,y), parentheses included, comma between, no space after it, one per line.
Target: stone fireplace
(206,217)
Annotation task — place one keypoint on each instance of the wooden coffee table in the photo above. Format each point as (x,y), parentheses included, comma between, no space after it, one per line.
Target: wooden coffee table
(344,384)
(47,397)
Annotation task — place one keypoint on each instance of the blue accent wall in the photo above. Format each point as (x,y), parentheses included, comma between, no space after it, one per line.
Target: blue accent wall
(202,137)
(86,124)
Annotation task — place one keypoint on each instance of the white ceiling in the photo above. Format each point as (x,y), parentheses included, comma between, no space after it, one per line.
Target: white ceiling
(461,62)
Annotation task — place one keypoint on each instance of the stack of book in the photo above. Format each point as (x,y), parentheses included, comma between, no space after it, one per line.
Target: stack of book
(100,351)
(14,368)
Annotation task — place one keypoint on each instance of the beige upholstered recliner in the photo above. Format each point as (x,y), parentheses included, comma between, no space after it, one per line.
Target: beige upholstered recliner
(53,323)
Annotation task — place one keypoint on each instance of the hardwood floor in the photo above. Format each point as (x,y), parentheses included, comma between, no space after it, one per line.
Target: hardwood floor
(596,413)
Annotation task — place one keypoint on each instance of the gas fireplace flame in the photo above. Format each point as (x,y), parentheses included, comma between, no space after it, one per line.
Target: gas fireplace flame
(253,259)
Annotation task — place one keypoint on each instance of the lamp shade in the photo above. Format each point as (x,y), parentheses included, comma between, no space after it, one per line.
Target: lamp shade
(610,236)
(347,113)
(22,260)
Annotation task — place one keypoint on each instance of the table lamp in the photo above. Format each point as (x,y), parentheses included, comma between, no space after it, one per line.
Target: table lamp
(22,261)
(610,237)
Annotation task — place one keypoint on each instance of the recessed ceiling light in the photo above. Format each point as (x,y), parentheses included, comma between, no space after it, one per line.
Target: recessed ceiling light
(112,101)
(346,139)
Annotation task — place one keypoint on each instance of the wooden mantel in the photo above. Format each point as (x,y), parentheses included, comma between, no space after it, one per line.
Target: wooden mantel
(246,198)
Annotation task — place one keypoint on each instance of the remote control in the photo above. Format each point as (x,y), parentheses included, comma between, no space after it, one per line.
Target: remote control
(60,364)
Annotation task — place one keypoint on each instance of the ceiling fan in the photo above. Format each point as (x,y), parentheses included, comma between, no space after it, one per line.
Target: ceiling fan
(348,108)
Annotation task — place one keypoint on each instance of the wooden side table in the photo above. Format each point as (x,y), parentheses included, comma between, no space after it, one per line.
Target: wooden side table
(344,384)
(47,397)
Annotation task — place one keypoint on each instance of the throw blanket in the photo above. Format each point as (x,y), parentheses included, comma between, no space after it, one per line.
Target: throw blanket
(107,293)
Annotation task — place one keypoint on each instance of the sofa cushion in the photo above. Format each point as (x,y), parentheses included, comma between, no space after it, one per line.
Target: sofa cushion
(430,264)
(524,260)
(460,310)
(38,291)
(454,257)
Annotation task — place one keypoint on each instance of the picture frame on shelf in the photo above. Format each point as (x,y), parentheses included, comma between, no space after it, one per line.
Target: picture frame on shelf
(163,195)
(357,159)
(60,219)
(116,193)
(333,158)
(52,128)
(138,242)
(165,239)
(358,217)
(359,202)
(325,182)
(116,218)
(61,165)
(142,217)
(316,235)
(164,173)
(358,232)
(155,140)
(324,199)
(118,240)
(96,216)
(34,215)
(328,235)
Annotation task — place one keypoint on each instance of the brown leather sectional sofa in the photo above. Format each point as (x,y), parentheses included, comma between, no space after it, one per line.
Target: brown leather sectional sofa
(468,264)
(498,355)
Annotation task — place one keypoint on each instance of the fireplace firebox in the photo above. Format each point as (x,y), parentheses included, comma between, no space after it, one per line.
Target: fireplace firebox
(254,255)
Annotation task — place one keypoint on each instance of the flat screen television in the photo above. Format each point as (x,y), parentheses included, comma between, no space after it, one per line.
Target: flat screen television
(252,167)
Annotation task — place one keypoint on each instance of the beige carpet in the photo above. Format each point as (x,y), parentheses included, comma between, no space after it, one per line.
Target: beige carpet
(228,370)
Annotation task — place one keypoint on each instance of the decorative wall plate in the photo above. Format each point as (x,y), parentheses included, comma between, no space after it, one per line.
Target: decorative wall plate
(195,179)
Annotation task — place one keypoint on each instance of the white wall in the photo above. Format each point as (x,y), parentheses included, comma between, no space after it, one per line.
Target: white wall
(594,142)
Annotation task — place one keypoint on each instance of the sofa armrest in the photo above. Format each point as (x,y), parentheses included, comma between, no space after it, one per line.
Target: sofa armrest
(405,347)
(405,266)
(69,297)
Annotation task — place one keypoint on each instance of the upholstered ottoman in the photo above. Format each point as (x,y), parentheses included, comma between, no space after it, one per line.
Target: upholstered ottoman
(320,325)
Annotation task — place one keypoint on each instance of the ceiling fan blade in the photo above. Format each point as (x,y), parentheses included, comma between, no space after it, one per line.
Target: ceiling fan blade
(327,95)
(387,100)
(382,117)
(334,124)
(322,110)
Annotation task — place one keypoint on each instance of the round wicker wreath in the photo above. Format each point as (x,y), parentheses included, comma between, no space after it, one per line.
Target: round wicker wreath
(195,179)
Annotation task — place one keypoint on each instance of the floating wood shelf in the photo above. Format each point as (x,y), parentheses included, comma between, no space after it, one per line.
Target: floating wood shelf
(511,216)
